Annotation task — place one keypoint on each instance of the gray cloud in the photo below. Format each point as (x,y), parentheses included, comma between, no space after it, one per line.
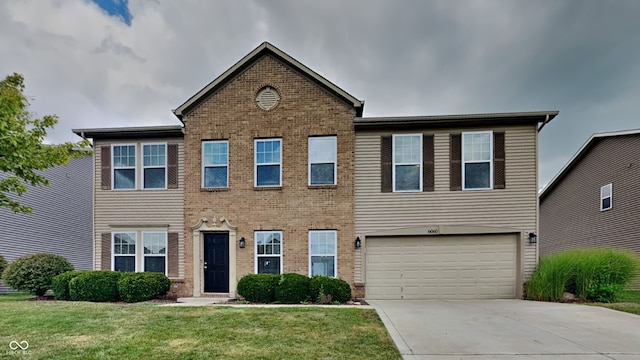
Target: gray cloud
(403,58)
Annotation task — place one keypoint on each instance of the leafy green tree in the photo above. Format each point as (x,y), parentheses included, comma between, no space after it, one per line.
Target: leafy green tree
(23,155)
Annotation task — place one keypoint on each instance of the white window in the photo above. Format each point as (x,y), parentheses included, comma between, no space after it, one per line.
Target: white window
(407,162)
(268,162)
(215,164)
(606,197)
(124,251)
(323,154)
(477,160)
(154,166)
(268,252)
(124,166)
(154,246)
(147,252)
(322,253)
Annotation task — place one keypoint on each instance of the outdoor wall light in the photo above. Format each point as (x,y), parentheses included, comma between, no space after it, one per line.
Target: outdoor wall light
(533,238)
(358,242)
(242,243)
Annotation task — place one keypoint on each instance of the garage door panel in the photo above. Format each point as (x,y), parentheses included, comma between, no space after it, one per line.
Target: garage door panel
(441,267)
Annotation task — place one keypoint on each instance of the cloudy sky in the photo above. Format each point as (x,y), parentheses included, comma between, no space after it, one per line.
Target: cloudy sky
(108,63)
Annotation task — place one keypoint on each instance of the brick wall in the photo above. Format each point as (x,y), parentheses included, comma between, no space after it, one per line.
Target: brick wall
(304,109)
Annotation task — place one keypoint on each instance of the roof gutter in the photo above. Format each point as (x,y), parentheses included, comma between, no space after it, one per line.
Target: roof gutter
(545,122)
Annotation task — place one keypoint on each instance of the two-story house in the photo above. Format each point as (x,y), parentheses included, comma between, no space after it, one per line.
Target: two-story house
(61,222)
(594,201)
(275,170)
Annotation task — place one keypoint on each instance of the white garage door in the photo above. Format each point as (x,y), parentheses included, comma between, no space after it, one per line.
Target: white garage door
(441,267)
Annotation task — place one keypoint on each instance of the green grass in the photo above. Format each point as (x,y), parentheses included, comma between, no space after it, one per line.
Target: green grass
(80,330)
(628,301)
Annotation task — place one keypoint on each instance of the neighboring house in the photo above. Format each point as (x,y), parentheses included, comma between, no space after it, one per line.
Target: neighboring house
(279,172)
(594,201)
(61,221)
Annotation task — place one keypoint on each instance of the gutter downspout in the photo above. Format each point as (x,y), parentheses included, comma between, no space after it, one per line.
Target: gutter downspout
(545,122)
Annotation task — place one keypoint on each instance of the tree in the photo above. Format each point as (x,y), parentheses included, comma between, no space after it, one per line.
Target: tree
(23,154)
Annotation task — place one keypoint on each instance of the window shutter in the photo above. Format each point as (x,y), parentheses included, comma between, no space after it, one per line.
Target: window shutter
(105,246)
(498,161)
(455,165)
(172,254)
(105,176)
(427,163)
(172,166)
(386,162)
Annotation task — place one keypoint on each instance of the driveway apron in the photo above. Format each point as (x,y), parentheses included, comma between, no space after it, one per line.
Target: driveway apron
(508,329)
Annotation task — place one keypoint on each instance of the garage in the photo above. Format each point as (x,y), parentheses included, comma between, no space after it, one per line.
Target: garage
(441,267)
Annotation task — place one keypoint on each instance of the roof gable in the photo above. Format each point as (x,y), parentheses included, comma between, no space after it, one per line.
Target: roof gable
(578,156)
(262,50)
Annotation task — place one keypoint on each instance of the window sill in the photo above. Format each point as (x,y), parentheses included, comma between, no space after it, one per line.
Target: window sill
(213,189)
(267,188)
(323,186)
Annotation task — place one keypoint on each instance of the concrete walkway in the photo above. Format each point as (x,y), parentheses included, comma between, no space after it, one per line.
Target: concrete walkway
(509,329)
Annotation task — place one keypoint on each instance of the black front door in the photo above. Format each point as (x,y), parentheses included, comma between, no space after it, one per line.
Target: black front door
(216,262)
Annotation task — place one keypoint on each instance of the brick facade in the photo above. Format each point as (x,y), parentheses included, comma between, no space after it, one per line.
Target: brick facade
(231,113)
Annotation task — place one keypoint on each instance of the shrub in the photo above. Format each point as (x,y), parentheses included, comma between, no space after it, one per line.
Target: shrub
(324,289)
(135,287)
(3,264)
(34,273)
(96,285)
(292,289)
(258,287)
(592,274)
(60,284)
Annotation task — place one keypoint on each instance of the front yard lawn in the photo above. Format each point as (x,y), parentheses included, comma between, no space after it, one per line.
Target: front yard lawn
(80,330)
(629,301)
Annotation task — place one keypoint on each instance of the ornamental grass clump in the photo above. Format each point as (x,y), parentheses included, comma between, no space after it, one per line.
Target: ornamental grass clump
(591,274)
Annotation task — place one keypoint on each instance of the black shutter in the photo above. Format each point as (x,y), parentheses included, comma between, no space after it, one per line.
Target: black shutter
(172,254)
(386,164)
(105,246)
(498,161)
(105,162)
(427,163)
(172,166)
(455,164)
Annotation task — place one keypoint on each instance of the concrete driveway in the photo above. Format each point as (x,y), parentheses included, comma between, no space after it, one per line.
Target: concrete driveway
(508,329)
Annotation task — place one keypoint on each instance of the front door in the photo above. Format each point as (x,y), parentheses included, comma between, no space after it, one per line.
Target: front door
(216,262)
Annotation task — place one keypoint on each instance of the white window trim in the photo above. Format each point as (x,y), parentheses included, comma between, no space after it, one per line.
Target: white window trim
(478,162)
(166,249)
(335,256)
(203,166)
(113,249)
(139,255)
(394,163)
(602,197)
(166,160)
(255,249)
(335,163)
(114,168)
(255,162)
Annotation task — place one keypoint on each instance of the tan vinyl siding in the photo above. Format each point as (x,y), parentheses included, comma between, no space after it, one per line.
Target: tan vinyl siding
(139,209)
(570,215)
(513,207)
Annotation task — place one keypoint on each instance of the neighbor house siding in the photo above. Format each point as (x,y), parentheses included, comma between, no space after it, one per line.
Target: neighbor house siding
(514,207)
(138,209)
(61,221)
(570,215)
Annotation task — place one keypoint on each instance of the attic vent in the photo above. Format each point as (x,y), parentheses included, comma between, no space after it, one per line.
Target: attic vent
(267,98)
